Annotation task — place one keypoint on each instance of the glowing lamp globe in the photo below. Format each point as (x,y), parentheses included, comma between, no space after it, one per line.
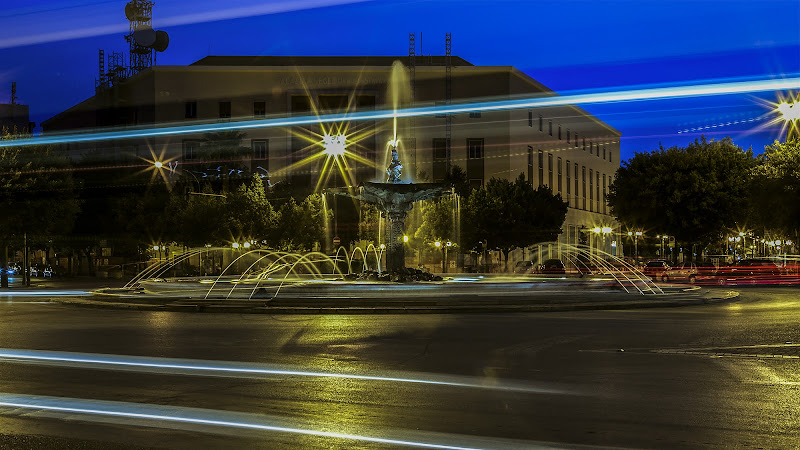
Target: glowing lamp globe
(789,111)
(334,145)
(158,164)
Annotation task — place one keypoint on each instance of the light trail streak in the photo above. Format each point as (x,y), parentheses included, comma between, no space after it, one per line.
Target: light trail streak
(43,293)
(231,368)
(662,93)
(148,413)
(48,23)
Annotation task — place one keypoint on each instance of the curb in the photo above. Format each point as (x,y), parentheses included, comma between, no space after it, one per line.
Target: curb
(262,307)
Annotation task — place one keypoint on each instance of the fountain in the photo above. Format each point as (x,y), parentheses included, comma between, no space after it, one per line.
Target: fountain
(394,199)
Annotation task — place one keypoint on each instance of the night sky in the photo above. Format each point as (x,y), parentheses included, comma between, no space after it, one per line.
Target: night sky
(50,48)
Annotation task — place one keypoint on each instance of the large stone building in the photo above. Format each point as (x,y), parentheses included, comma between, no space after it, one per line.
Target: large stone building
(562,147)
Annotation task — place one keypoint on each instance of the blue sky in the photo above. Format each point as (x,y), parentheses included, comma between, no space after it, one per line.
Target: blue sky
(50,48)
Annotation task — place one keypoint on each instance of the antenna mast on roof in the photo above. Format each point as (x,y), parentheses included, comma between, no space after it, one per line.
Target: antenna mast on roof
(13,92)
(448,83)
(412,60)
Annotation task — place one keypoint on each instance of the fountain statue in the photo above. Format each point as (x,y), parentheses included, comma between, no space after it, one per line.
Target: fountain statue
(394,168)
(394,199)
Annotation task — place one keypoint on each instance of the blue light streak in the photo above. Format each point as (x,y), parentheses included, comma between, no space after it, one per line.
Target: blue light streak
(44,293)
(189,416)
(230,368)
(660,93)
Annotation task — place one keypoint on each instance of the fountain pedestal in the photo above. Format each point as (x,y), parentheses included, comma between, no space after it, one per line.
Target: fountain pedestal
(394,200)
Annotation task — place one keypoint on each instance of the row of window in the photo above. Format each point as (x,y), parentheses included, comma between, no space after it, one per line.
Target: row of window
(572,139)
(474,148)
(574,173)
(259,110)
(259,147)
(299,104)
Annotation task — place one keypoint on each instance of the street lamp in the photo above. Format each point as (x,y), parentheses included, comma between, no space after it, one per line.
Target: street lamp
(790,113)
(635,242)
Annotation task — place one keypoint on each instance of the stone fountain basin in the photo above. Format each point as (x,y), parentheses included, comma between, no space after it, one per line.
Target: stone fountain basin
(309,287)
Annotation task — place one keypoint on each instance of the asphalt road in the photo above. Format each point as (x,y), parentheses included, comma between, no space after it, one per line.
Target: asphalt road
(720,375)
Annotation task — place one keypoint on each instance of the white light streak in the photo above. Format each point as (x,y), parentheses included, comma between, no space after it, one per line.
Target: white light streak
(539,102)
(189,416)
(231,368)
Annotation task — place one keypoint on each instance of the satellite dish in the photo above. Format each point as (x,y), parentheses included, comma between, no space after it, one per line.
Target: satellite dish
(162,41)
(144,36)
(130,11)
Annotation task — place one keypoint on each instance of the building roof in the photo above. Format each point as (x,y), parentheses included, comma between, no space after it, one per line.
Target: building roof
(361,61)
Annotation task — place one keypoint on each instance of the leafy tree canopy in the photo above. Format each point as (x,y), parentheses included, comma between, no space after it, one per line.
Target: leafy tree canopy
(776,188)
(691,193)
(511,214)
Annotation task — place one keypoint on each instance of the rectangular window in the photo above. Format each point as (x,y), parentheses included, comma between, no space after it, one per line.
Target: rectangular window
(300,104)
(591,190)
(604,153)
(541,123)
(575,192)
(530,165)
(260,149)
(597,186)
(190,110)
(559,132)
(541,167)
(259,110)
(591,147)
(610,158)
(559,175)
(569,183)
(475,115)
(530,119)
(604,195)
(584,144)
(550,171)
(568,136)
(475,148)
(190,150)
(224,110)
(440,148)
(550,125)
(583,185)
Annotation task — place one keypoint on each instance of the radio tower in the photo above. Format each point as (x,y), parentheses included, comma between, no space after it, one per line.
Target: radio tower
(412,60)
(448,83)
(140,15)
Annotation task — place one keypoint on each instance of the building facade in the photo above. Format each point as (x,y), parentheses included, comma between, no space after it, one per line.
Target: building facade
(562,147)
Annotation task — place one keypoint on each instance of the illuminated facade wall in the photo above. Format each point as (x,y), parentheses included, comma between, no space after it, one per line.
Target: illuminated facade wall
(562,147)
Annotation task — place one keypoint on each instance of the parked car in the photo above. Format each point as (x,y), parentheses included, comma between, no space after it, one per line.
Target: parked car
(551,266)
(690,272)
(752,270)
(656,268)
(523,267)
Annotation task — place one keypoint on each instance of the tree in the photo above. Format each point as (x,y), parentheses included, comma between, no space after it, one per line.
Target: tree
(223,147)
(776,188)
(251,215)
(507,215)
(691,193)
(458,179)
(301,227)
(437,221)
(36,196)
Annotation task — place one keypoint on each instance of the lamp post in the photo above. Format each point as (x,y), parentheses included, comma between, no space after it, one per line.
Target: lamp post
(438,244)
